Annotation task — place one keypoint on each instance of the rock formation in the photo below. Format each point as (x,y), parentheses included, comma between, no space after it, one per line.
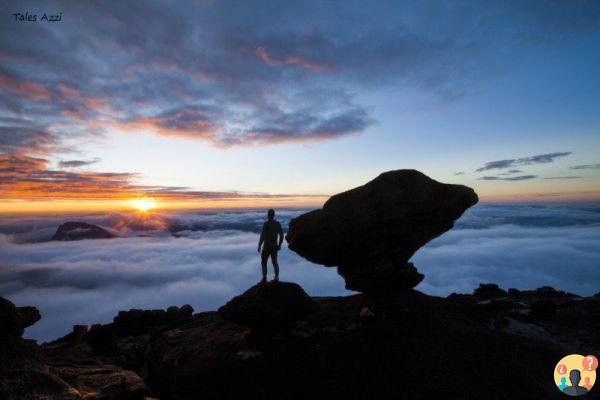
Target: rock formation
(269,306)
(370,232)
(16,319)
(345,350)
(73,230)
(66,369)
(489,291)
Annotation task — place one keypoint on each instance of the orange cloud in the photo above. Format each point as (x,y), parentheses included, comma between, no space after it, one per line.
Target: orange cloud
(27,89)
(27,184)
(299,61)
(187,123)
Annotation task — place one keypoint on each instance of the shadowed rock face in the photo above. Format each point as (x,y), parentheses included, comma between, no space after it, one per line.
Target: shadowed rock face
(16,319)
(80,230)
(353,347)
(269,306)
(370,232)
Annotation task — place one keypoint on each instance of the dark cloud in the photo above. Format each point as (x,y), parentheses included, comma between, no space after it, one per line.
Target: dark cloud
(564,177)
(77,163)
(510,178)
(586,166)
(459,173)
(28,140)
(512,171)
(233,74)
(538,159)
(123,62)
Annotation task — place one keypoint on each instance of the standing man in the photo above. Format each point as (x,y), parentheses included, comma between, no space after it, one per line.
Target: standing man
(272,237)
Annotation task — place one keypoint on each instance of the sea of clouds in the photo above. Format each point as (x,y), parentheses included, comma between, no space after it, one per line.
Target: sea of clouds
(215,257)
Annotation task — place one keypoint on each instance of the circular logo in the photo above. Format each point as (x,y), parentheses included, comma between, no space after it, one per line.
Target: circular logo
(575,375)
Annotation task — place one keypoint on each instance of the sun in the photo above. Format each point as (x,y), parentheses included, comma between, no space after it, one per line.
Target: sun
(144,204)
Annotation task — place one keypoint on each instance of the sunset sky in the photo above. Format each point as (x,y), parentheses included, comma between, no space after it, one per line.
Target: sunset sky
(232,104)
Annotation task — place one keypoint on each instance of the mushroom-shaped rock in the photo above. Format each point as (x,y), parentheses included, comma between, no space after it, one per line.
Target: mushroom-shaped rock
(370,232)
(269,305)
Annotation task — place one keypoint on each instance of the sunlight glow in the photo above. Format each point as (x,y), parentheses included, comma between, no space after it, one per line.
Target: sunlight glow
(144,204)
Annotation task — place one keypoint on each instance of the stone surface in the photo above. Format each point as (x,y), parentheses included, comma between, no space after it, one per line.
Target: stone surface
(65,369)
(106,339)
(269,305)
(489,291)
(347,349)
(14,320)
(74,230)
(370,232)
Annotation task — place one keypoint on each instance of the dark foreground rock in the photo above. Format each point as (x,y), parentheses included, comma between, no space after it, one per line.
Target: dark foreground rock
(424,347)
(64,370)
(370,232)
(73,230)
(271,305)
(16,319)
(421,347)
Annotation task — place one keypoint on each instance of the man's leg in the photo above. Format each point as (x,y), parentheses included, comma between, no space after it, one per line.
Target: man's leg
(264,256)
(275,263)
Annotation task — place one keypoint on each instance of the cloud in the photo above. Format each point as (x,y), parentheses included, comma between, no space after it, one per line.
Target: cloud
(564,177)
(512,171)
(586,166)
(77,163)
(537,159)
(27,89)
(28,140)
(27,177)
(459,173)
(511,178)
(199,71)
(81,282)
(516,246)
(293,60)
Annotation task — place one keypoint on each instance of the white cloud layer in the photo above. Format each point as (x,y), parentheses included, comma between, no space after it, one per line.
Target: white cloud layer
(89,281)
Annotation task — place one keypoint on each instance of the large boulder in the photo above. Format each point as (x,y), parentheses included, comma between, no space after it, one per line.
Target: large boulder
(270,305)
(14,320)
(370,232)
(74,230)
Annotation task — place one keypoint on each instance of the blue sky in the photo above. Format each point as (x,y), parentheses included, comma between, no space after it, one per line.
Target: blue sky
(186,98)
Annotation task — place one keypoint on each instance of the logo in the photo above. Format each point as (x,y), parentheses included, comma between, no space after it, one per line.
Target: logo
(575,374)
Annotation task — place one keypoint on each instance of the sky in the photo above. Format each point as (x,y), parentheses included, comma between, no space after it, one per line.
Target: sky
(242,104)
(214,258)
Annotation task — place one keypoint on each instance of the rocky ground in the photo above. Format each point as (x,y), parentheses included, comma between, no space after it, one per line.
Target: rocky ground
(491,344)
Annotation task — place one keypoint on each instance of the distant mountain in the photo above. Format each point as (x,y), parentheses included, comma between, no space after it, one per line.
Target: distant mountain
(73,230)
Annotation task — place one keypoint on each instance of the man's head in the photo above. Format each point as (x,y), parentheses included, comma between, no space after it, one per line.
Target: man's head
(575,377)
(271,214)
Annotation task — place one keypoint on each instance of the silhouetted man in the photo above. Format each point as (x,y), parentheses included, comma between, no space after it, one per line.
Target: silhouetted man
(272,237)
(575,389)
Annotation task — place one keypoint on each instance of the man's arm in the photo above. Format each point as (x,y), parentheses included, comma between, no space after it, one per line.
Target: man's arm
(280,233)
(262,238)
